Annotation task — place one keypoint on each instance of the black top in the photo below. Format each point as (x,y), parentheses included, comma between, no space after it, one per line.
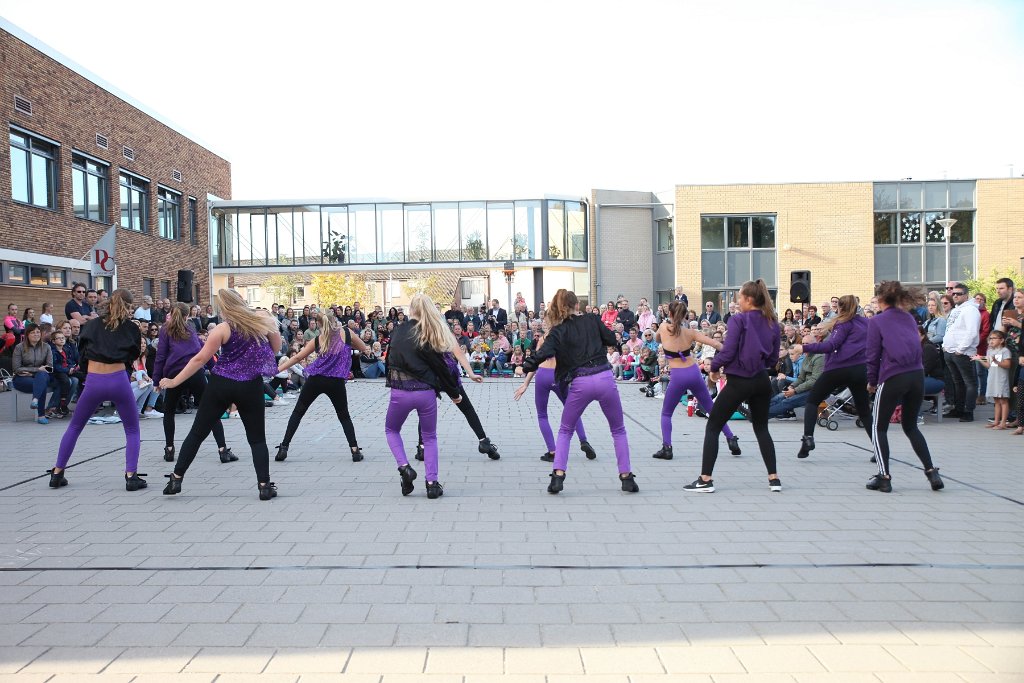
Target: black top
(932,360)
(120,345)
(581,341)
(627,318)
(75,307)
(677,354)
(406,357)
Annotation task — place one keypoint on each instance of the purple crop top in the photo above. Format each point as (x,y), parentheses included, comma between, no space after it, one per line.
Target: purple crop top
(245,358)
(336,362)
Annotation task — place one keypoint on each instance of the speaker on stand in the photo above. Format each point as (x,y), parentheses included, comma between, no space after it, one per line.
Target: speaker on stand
(800,286)
(184,294)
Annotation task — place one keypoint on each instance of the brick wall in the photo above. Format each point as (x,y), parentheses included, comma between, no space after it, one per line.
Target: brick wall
(1000,224)
(70,109)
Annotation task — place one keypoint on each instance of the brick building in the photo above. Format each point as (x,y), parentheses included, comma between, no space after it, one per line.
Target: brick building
(83,156)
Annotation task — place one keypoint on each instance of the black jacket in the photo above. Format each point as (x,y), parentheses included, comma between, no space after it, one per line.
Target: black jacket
(407,357)
(580,341)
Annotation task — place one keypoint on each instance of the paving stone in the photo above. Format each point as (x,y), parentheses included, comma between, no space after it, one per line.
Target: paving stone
(478,660)
(387,660)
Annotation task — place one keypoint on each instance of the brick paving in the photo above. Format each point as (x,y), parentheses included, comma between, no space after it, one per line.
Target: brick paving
(342,579)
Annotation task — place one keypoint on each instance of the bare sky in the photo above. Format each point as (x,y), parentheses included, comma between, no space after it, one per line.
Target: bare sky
(475,99)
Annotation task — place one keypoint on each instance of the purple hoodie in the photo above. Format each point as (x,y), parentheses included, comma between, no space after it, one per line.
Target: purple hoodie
(751,346)
(845,347)
(893,346)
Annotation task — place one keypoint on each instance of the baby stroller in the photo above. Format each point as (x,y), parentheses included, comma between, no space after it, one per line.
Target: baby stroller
(838,406)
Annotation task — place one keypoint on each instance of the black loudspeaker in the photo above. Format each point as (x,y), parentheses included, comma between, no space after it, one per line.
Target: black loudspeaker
(185,286)
(800,286)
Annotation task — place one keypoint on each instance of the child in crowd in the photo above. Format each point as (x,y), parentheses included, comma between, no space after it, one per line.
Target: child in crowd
(627,360)
(615,360)
(516,362)
(997,360)
(47,315)
(478,358)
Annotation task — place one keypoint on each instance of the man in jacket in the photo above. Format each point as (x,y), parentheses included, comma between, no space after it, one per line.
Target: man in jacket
(710,314)
(963,328)
(786,402)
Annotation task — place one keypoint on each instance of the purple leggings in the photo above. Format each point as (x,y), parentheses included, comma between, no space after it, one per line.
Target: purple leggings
(114,387)
(544,384)
(582,391)
(683,380)
(425,404)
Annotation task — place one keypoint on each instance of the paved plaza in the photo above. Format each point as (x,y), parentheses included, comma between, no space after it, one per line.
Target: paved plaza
(342,579)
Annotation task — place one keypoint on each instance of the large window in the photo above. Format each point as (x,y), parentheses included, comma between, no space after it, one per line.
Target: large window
(473,226)
(417,232)
(446,232)
(390,233)
(911,244)
(527,244)
(501,221)
(556,230)
(665,236)
(89,187)
(33,169)
(134,202)
(735,249)
(168,213)
(575,232)
(362,233)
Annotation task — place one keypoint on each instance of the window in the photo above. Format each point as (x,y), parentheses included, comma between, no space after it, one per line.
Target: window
(33,169)
(911,244)
(665,237)
(168,213)
(134,202)
(473,230)
(735,249)
(300,291)
(102,282)
(576,233)
(147,287)
(193,221)
(58,278)
(252,295)
(165,289)
(556,230)
(89,187)
(17,274)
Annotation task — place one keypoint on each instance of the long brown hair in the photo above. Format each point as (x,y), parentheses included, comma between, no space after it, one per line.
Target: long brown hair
(119,308)
(31,327)
(177,326)
(676,316)
(758,293)
(847,312)
(563,305)
(241,318)
(893,294)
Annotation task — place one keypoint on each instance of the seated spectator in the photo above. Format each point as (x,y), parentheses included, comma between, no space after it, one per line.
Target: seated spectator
(784,404)
(478,359)
(649,342)
(634,343)
(145,392)
(500,351)
(644,317)
(628,360)
(521,338)
(516,362)
(31,366)
(47,315)
(145,311)
(792,371)
(934,382)
(460,338)
(12,322)
(371,363)
(615,360)
(312,331)
(61,382)
(195,320)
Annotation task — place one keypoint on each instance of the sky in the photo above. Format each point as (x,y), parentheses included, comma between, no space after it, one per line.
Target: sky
(477,100)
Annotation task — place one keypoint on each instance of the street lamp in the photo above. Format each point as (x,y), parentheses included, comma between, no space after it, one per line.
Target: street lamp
(946,224)
(509,270)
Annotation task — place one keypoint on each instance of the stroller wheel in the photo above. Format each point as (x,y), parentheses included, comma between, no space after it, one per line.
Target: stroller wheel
(833,425)
(822,421)
(860,423)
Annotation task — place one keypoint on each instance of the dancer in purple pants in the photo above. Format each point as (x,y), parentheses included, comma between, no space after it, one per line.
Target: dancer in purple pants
(546,384)
(415,368)
(108,345)
(676,339)
(578,343)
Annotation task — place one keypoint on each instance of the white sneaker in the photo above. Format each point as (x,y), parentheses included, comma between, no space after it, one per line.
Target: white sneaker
(152,415)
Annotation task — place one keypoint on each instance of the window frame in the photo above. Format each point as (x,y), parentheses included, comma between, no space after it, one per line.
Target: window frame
(139,184)
(728,283)
(168,206)
(45,148)
(104,183)
(193,221)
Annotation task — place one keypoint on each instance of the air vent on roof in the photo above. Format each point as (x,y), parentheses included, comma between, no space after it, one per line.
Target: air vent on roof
(22,105)
(176,176)
(129,153)
(101,141)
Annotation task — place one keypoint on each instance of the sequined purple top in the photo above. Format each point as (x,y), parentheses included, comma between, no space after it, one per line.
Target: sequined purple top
(336,362)
(245,358)
(453,366)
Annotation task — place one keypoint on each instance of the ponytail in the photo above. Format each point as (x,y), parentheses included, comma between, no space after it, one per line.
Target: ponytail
(563,305)
(676,316)
(758,293)
(895,295)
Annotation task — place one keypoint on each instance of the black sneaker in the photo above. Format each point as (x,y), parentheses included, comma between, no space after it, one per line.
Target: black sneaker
(57,479)
(934,479)
(268,490)
(629,483)
(357,454)
(434,489)
(408,474)
(879,483)
(664,454)
(173,485)
(588,450)
(488,448)
(557,482)
(806,446)
(134,482)
(548,457)
(227,456)
(775,484)
(419,452)
(701,486)
(734,445)
(967,417)
(282,453)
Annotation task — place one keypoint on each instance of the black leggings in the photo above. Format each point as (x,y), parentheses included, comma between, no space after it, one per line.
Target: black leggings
(906,388)
(221,393)
(197,385)
(854,378)
(471,417)
(315,385)
(757,392)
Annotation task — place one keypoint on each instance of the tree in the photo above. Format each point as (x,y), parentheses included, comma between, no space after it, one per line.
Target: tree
(432,286)
(283,288)
(520,245)
(474,249)
(335,247)
(335,288)
(987,285)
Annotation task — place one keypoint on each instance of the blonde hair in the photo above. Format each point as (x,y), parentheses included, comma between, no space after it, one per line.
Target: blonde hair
(241,318)
(177,324)
(119,308)
(328,326)
(847,312)
(432,329)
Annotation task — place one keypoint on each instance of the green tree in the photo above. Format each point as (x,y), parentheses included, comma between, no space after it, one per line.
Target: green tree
(474,249)
(335,288)
(283,288)
(432,286)
(987,285)
(335,247)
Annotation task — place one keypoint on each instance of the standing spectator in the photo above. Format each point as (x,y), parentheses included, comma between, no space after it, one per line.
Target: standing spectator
(998,361)
(157,313)
(681,296)
(304,319)
(30,318)
(357,314)
(455,315)
(610,314)
(935,323)
(733,310)
(826,312)
(92,297)
(644,317)
(986,327)
(47,315)
(709,314)
(625,316)
(497,316)
(1004,302)
(1012,324)
(77,308)
(196,321)
(963,327)
(12,322)
(211,317)
(812,318)
(144,312)
(32,364)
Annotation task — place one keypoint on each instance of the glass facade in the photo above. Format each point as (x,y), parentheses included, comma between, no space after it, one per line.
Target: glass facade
(33,170)
(396,233)
(735,249)
(911,245)
(89,187)
(168,213)
(134,202)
